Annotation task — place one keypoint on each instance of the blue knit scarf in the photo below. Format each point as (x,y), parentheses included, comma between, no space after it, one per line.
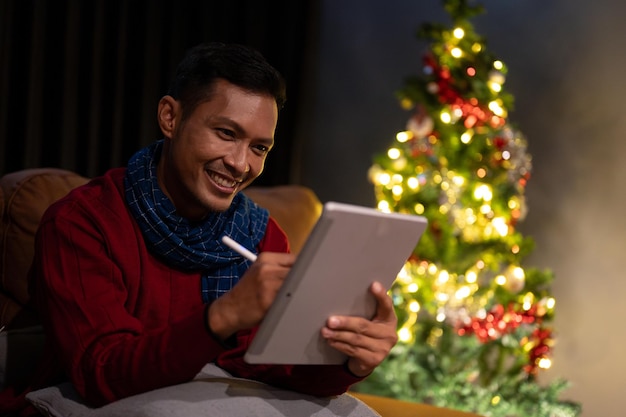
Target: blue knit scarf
(187,245)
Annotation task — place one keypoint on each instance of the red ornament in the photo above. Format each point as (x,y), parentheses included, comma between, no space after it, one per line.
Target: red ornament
(499,142)
(500,321)
(541,339)
(473,115)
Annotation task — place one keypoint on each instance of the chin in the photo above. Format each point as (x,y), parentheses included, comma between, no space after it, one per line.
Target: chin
(220,204)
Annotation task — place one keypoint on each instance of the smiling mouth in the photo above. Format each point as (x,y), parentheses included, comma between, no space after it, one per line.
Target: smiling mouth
(222,181)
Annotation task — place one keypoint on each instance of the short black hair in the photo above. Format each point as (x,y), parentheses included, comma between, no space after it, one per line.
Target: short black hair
(238,64)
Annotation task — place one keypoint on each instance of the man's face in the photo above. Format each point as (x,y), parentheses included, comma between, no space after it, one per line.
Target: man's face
(217,151)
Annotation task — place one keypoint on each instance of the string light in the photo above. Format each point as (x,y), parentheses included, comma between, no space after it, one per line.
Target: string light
(383,206)
(383,178)
(405,335)
(456,52)
(443,277)
(463,292)
(483,192)
(544,363)
(496,107)
(500,225)
(494,86)
(403,136)
(458,33)
(393,153)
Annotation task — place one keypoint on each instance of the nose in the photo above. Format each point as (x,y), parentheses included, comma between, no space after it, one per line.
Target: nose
(237,159)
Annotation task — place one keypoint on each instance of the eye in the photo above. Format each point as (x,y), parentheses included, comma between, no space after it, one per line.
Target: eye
(261,149)
(225,133)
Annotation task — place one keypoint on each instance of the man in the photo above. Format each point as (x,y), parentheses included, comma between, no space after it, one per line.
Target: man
(136,290)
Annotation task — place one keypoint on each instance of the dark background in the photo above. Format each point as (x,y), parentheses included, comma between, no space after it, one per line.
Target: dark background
(80,79)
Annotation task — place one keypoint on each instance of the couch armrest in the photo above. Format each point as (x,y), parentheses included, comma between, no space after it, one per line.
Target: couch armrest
(26,194)
(296,209)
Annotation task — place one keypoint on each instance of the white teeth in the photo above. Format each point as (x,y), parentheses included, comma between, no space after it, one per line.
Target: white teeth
(222,181)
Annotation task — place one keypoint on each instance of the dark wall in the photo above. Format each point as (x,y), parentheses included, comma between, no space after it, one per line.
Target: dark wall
(80,80)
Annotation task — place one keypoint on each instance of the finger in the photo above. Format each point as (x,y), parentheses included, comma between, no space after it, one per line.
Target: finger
(350,325)
(278,258)
(358,331)
(364,353)
(348,342)
(384,305)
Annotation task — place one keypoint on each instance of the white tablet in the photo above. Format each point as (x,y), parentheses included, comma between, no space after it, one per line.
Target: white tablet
(349,248)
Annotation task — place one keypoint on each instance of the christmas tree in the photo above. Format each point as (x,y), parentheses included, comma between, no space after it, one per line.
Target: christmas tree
(474,323)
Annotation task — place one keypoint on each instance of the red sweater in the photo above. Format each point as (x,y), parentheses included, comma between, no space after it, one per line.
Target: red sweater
(120,321)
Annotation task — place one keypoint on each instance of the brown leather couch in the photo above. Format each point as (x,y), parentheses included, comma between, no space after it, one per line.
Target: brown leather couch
(25,195)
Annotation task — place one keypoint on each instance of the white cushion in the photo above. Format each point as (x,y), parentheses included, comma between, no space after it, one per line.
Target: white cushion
(212,393)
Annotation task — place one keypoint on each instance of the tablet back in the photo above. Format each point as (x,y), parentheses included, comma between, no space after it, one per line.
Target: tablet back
(349,248)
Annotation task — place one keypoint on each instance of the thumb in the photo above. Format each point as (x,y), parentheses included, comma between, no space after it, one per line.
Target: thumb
(384,306)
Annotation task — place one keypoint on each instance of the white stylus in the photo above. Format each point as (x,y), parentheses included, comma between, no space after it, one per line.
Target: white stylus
(237,247)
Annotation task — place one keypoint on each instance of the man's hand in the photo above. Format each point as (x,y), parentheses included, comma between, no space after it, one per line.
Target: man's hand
(245,305)
(366,342)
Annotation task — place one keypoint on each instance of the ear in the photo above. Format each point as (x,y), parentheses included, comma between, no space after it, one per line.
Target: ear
(168,115)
